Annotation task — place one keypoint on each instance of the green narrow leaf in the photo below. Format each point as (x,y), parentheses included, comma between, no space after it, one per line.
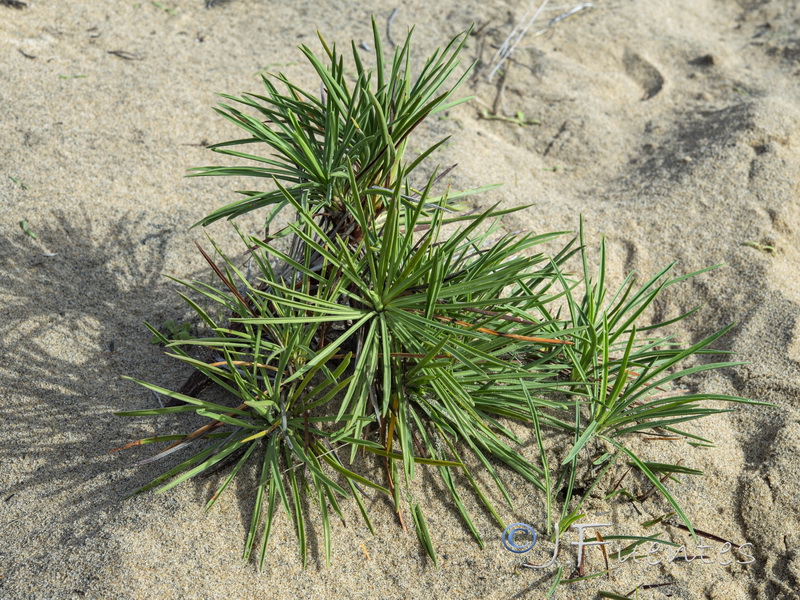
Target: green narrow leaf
(422,532)
(556,580)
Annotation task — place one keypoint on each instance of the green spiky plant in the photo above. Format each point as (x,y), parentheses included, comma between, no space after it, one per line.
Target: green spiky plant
(382,322)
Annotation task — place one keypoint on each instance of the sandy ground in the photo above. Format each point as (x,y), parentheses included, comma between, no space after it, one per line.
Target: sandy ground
(672,126)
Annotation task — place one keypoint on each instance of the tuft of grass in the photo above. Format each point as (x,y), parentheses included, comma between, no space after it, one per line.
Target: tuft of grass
(386,332)
(314,141)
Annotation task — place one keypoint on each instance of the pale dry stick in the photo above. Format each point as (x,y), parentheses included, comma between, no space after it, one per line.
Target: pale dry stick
(389,26)
(158,399)
(571,12)
(505,51)
(514,39)
(501,88)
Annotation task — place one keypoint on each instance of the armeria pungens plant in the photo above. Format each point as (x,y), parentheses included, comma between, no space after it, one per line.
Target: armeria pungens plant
(382,321)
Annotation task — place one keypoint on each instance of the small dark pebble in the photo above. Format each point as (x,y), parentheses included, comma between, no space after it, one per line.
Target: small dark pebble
(707,60)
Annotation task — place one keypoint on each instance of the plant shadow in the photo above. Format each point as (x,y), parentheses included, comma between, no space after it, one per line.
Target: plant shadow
(74,298)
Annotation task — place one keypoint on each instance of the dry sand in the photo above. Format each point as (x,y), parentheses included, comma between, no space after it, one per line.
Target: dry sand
(672,126)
